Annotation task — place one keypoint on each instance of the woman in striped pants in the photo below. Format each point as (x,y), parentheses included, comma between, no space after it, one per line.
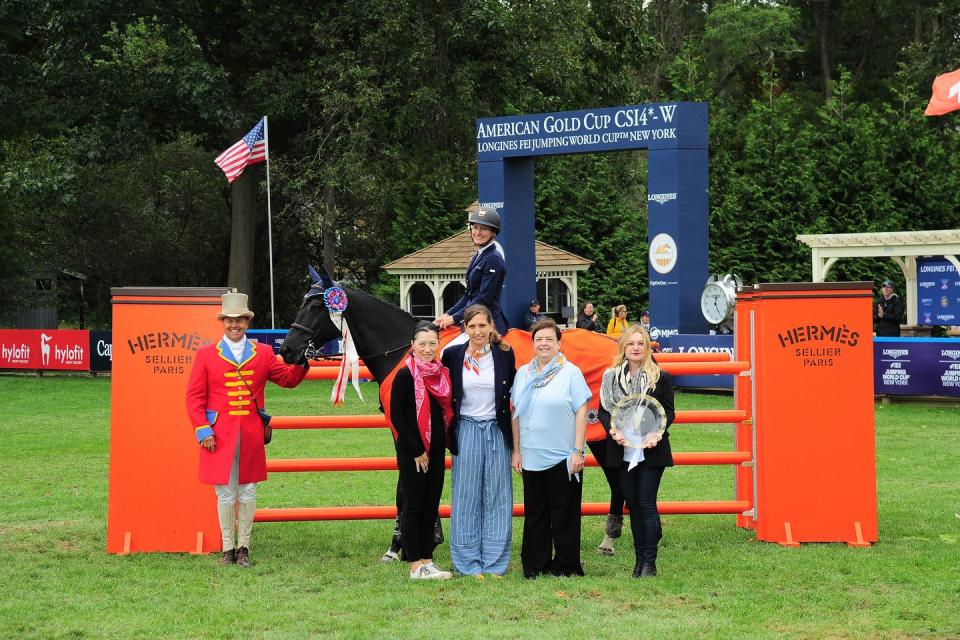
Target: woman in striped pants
(481,374)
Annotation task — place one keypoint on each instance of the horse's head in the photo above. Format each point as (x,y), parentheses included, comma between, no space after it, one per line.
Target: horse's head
(313,326)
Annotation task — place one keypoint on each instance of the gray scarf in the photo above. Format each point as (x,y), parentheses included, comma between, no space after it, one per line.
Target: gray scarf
(617,385)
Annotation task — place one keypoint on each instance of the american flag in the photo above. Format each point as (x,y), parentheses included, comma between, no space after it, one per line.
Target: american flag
(251,149)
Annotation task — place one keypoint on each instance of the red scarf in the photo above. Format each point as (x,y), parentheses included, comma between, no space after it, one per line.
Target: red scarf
(432,378)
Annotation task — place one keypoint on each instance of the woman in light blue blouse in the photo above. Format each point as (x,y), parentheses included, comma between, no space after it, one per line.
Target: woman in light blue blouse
(549,428)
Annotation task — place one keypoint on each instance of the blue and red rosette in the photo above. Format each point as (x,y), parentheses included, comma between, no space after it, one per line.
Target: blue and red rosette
(336,299)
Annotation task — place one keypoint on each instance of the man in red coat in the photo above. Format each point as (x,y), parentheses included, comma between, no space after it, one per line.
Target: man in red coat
(224,395)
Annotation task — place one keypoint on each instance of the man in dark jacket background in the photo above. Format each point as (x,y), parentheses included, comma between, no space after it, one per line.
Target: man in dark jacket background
(889,311)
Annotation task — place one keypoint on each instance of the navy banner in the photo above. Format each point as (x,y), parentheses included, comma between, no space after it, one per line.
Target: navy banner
(938,292)
(675,135)
(917,366)
(101,351)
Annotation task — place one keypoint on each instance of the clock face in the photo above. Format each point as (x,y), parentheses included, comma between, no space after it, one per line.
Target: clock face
(714,303)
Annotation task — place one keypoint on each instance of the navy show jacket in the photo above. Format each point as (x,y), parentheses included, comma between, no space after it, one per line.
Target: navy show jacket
(484,277)
(504,370)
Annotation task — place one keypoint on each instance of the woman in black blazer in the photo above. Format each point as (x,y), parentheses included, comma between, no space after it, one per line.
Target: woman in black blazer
(481,374)
(635,371)
(420,410)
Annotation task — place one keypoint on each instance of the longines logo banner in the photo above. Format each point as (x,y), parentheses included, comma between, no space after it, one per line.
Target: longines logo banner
(921,367)
(816,345)
(661,198)
(660,125)
(166,352)
(938,292)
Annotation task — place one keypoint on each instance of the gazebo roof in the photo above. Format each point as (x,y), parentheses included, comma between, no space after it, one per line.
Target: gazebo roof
(456,251)
(930,239)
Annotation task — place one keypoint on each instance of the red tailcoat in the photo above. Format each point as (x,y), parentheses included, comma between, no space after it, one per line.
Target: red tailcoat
(219,397)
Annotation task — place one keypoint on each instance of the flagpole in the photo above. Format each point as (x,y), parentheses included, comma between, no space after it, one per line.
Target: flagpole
(266,144)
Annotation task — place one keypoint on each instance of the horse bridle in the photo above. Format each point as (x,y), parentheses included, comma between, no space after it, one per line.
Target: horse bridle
(312,351)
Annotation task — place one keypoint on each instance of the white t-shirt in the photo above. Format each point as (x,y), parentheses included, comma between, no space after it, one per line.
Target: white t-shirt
(479,401)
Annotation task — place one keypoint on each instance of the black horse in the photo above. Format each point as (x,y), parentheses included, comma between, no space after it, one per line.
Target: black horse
(382,334)
(381,331)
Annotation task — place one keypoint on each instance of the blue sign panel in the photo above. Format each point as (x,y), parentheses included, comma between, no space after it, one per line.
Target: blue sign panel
(917,366)
(938,292)
(675,135)
(275,337)
(686,343)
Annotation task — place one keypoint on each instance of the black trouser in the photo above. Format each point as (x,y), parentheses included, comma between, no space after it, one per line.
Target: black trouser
(551,522)
(640,487)
(421,501)
(599,451)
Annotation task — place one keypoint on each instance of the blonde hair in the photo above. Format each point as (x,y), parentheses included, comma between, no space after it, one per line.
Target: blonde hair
(475,310)
(648,365)
(616,310)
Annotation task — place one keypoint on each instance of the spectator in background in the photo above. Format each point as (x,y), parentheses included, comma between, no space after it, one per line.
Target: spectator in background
(618,321)
(587,318)
(889,311)
(645,320)
(532,315)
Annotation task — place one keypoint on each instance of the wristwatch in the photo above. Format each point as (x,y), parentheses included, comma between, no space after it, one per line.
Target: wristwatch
(580,452)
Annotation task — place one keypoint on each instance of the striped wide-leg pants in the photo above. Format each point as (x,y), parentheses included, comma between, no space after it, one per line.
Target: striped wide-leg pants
(481,522)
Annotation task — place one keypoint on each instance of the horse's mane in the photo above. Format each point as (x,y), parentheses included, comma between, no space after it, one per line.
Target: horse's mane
(381,330)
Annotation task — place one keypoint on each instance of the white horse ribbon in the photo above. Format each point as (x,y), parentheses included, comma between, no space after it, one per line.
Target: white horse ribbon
(350,358)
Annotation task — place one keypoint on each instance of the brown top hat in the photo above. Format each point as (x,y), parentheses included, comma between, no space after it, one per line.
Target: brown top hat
(234,306)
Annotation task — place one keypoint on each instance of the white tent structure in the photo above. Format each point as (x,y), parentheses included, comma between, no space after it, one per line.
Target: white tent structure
(902,247)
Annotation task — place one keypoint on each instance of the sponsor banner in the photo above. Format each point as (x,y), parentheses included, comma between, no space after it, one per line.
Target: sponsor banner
(938,292)
(101,351)
(67,349)
(695,343)
(652,126)
(19,349)
(275,338)
(917,366)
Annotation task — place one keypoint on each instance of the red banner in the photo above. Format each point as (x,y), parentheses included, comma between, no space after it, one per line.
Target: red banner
(45,349)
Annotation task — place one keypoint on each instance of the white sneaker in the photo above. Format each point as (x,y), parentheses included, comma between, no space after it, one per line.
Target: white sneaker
(390,556)
(443,575)
(430,572)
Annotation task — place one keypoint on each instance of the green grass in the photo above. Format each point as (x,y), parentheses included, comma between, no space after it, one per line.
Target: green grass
(323,579)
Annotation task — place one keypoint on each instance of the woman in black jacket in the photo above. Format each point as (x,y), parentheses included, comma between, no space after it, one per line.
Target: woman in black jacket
(634,371)
(587,318)
(481,440)
(420,410)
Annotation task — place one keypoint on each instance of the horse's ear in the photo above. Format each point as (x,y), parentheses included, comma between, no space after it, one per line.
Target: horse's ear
(313,273)
(322,277)
(326,278)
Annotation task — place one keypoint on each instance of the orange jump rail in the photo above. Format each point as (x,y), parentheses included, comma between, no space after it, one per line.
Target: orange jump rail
(295,465)
(377,421)
(712,356)
(705,368)
(292,514)
(330,373)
